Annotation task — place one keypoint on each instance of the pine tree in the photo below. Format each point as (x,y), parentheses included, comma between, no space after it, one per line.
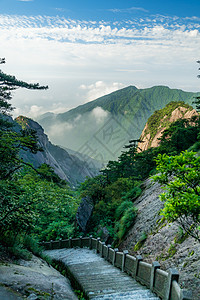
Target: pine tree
(11,140)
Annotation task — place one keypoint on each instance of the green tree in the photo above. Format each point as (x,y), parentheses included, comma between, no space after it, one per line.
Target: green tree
(16,214)
(197,99)
(12,140)
(180,177)
(52,203)
(180,135)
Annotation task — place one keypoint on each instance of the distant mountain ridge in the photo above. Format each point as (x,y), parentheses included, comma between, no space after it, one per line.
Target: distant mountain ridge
(70,167)
(107,123)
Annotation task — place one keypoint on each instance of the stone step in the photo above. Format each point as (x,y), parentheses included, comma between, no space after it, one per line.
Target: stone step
(98,278)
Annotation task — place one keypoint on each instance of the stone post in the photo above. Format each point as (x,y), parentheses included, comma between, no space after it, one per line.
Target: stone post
(97,244)
(51,244)
(108,247)
(154,267)
(70,242)
(90,242)
(114,255)
(60,243)
(80,241)
(125,252)
(172,275)
(102,246)
(138,260)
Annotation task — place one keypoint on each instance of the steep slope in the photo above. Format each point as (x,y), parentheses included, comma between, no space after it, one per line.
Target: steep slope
(70,167)
(154,239)
(160,120)
(101,127)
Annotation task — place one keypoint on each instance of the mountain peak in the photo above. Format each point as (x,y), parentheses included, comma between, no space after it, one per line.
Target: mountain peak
(161,120)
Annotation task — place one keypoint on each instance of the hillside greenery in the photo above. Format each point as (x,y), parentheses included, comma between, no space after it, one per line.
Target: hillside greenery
(121,181)
(160,118)
(125,111)
(131,97)
(182,194)
(35,204)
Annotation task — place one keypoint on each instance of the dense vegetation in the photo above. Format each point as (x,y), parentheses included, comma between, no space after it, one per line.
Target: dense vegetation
(181,194)
(113,193)
(162,117)
(35,204)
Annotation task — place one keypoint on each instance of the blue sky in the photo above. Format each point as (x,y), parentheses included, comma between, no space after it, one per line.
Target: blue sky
(99,9)
(85,49)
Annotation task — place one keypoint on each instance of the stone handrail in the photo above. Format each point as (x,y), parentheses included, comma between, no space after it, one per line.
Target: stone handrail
(164,284)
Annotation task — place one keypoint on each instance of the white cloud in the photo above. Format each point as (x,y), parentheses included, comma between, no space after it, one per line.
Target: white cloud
(64,30)
(127,10)
(83,60)
(99,89)
(99,114)
(34,111)
(75,131)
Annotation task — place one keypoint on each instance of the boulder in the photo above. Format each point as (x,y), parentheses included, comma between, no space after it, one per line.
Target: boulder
(84,213)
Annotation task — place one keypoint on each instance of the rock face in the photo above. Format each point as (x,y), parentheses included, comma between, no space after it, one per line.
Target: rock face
(161,120)
(84,213)
(163,242)
(35,279)
(67,166)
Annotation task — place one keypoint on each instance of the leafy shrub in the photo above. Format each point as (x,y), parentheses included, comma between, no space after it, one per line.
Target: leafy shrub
(134,192)
(127,221)
(122,208)
(181,196)
(18,251)
(32,245)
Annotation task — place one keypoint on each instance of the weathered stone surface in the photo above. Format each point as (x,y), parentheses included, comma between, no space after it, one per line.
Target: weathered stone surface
(84,213)
(148,205)
(98,278)
(160,243)
(35,277)
(6,294)
(178,113)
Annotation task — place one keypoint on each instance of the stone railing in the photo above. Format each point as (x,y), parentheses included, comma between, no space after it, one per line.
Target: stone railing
(162,283)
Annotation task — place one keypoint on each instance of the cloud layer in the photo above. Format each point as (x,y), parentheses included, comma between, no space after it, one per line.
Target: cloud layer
(82,60)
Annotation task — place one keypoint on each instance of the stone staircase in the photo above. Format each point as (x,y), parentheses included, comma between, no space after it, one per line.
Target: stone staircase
(98,278)
(106,273)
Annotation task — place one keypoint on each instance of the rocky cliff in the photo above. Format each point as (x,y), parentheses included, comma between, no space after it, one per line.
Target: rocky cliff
(155,239)
(160,120)
(70,167)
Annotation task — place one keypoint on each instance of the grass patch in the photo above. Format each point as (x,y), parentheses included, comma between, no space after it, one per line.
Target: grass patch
(141,241)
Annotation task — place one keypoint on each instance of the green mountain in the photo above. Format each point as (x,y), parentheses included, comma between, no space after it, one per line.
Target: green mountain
(102,127)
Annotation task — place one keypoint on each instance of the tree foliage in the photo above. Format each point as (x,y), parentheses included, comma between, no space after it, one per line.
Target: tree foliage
(180,176)
(197,99)
(12,139)
(120,183)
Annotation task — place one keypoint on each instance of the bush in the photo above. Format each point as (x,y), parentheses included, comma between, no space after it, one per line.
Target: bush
(122,208)
(126,221)
(182,194)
